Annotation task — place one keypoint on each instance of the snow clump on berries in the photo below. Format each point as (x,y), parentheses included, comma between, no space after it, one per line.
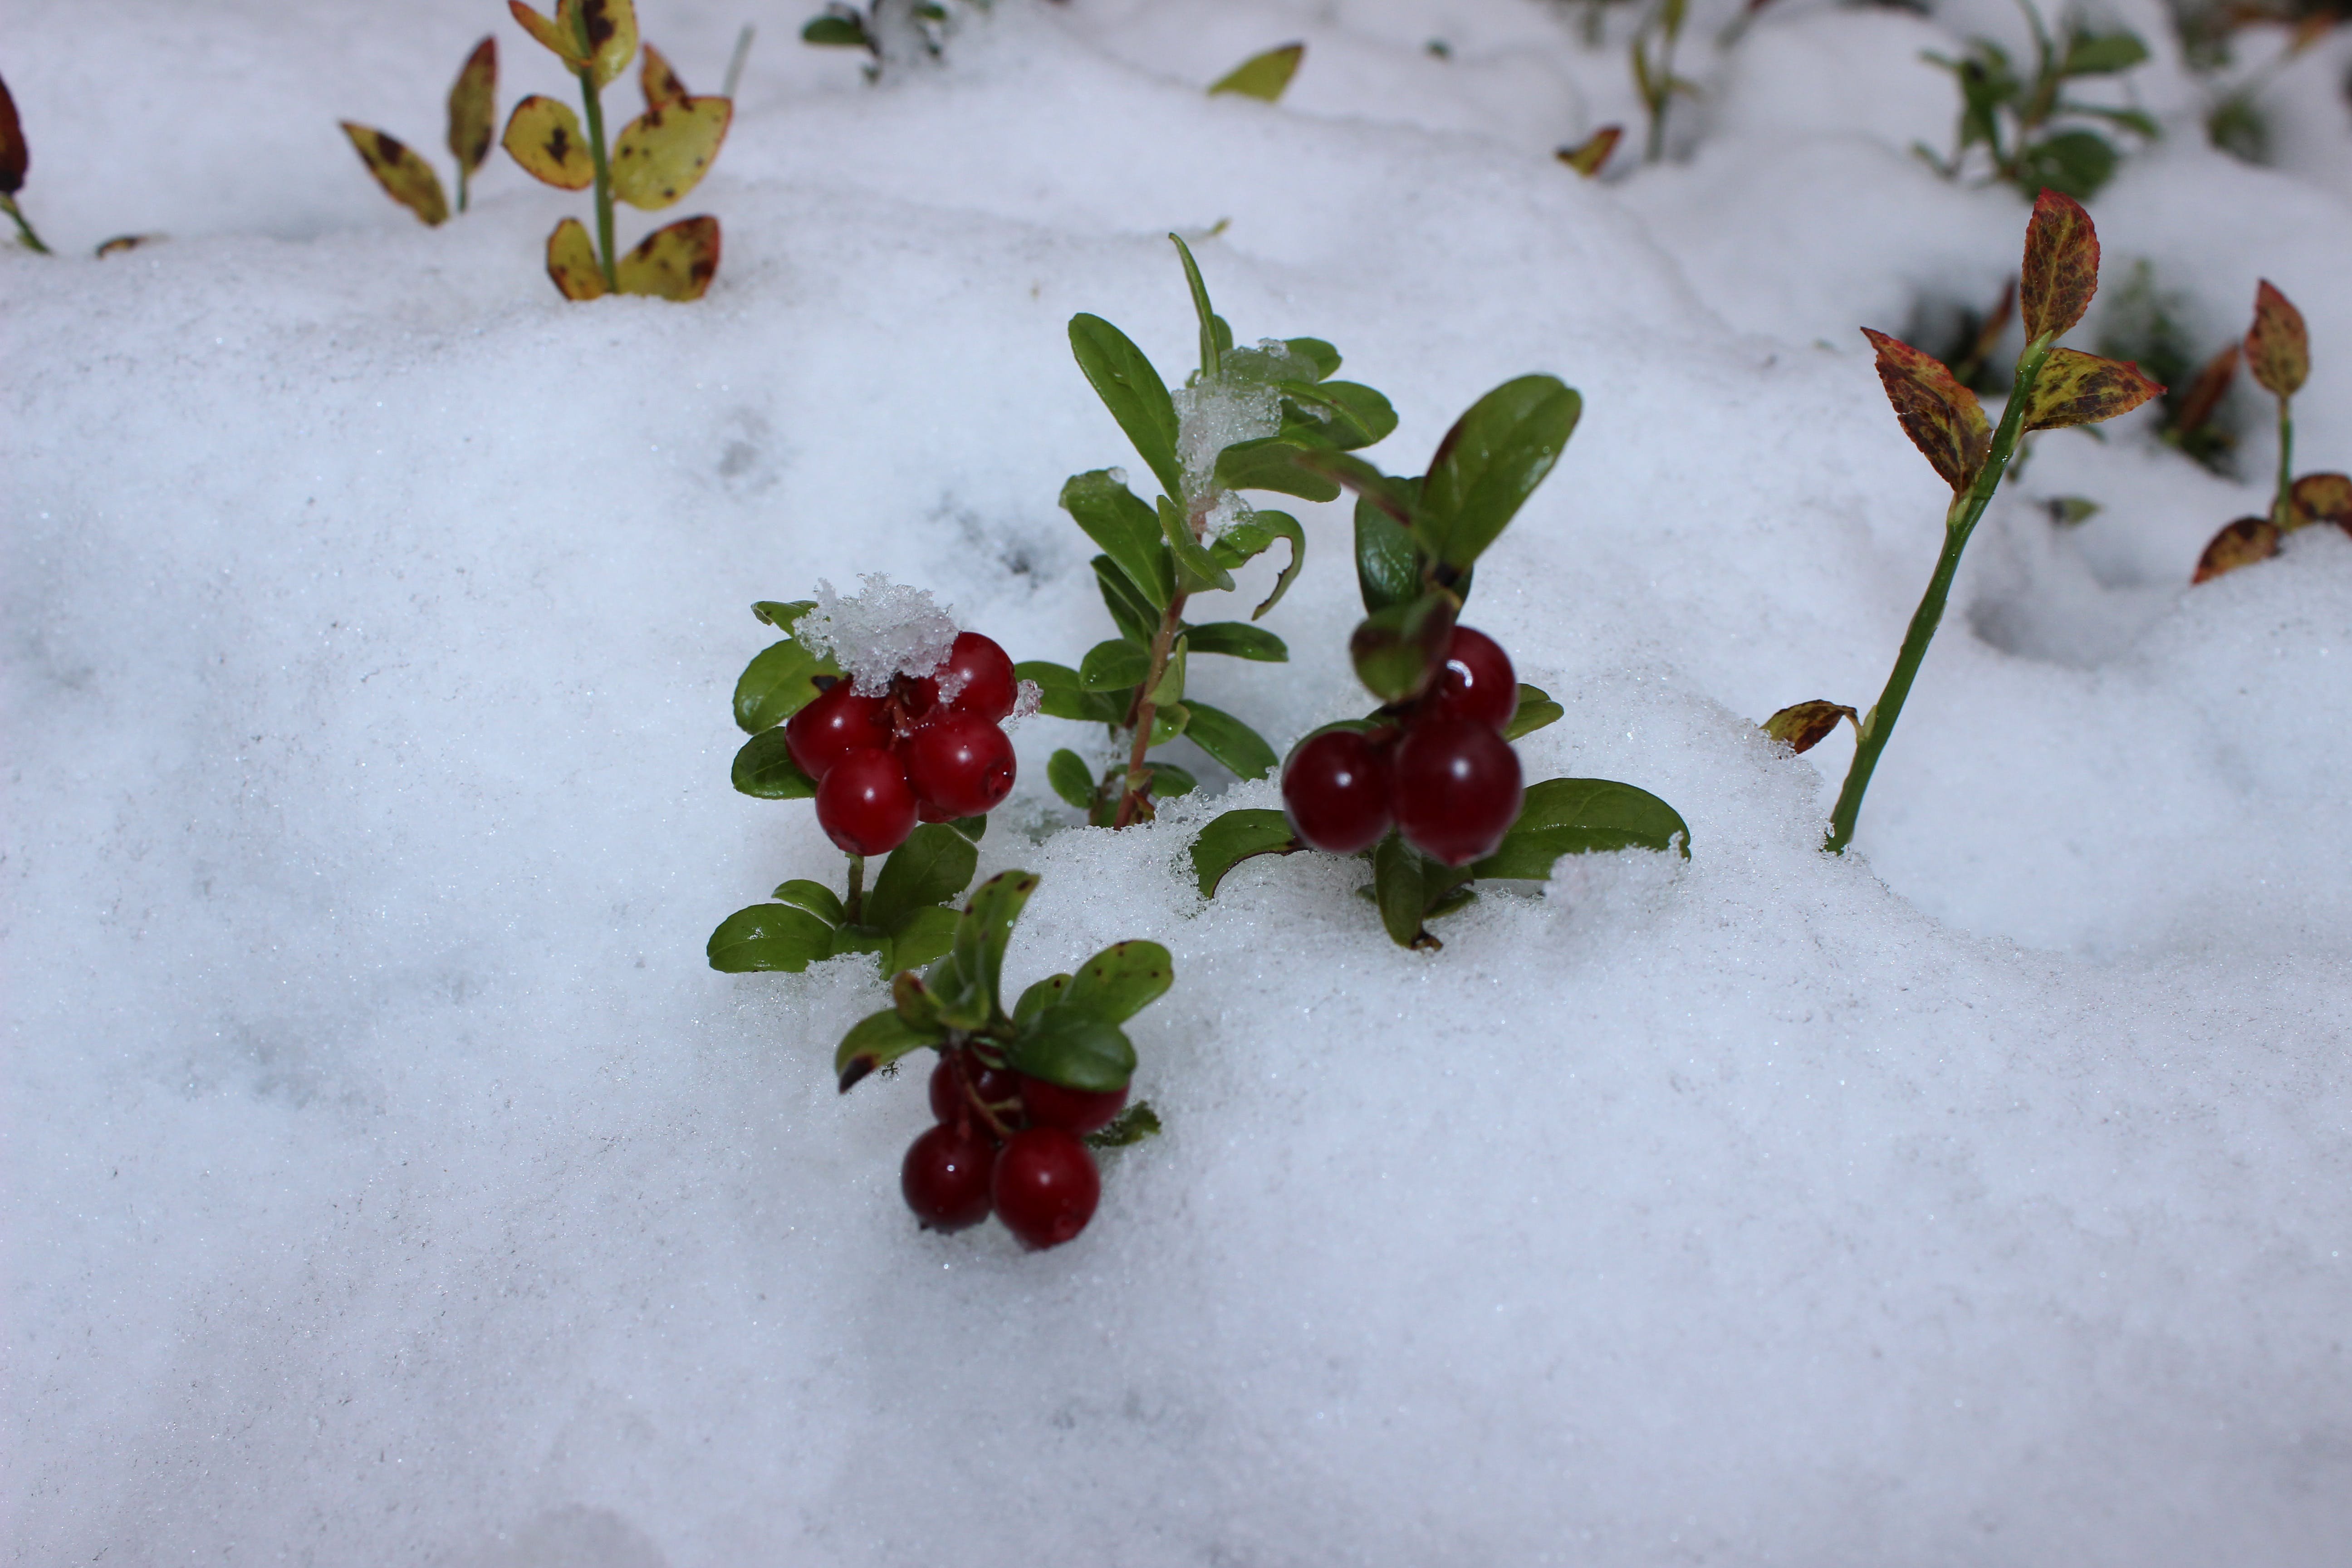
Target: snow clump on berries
(888,629)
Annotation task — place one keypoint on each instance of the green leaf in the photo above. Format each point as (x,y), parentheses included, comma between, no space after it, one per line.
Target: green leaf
(1114,666)
(1041,996)
(1129,611)
(987,926)
(1246,540)
(2139,122)
(1242,748)
(1261,76)
(1234,837)
(815,897)
(1168,722)
(837,32)
(1127,529)
(2073,163)
(778,683)
(1388,571)
(875,1041)
(1237,639)
(1133,1125)
(932,865)
(1121,981)
(1490,462)
(764,767)
(767,937)
(2099,54)
(1399,650)
(920,936)
(1197,571)
(973,828)
(1582,817)
(1213,340)
(855,939)
(1168,781)
(1322,355)
(1265,465)
(1131,389)
(784,616)
(1071,779)
(1061,694)
(1398,886)
(1342,414)
(1534,711)
(1073,1050)
(1169,689)
(1392,496)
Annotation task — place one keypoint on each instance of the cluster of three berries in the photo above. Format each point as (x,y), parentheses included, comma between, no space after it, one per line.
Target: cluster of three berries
(1438,770)
(1040,1179)
(882,764)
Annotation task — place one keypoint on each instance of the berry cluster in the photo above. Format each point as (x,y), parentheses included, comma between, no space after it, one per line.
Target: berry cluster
(1436,769)
(931,749)
(1007,1143)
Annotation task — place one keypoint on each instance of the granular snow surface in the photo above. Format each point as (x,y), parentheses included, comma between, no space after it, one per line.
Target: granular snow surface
(389,1180)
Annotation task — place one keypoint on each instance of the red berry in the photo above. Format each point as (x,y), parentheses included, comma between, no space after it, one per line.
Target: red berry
(1458,788)
(1046,1186)
(1071,1109)
(946,1176)
(838,722)
(960,763)
(993,1085)
(983,674)
(865,804)
(1477,681)
(1336,791)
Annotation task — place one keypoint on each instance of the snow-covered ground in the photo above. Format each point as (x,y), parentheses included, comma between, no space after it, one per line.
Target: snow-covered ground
(389,1180)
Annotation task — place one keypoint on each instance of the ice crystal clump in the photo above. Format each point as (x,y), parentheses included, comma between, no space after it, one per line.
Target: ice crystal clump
(886,629)
(1242,403)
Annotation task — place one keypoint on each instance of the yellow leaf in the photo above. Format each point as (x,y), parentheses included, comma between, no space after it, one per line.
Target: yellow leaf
(2278,350)
(1588,155)
(560,34)
(405,178)
(474,107)
(2243,543)
(676,262)
(544,137)
(571,261)
(2321,498)
(659,81)
(2076,388)
(1261,76)
(1942,418)
(664,153)
(610,29)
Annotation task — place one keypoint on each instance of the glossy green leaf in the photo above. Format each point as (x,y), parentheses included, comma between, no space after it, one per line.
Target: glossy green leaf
(1240,748)
(932,865)
(921,935)
(1168,722)
(1388,572)
(1246,540)
(836,30)
(1237,639)
(987,927)
(1074,1049)
(1131,389)
(1215,336)
(1039,997)
(778,683)
(1071,779)
(767,937)
(1583,817)
(862,938)
(764,767)
(815,897)
(1125,528)
(1197,571)
(1342,414)
(1168,781)
(1534,711)
(1315,351)
(1129,611)
(1490,462)
(1061,694)
(1261,76)
(875,1041)
(782,616)
(1392,496)
(1399,650)
(1234,837)
(1133,1125)
(1169,689)
(1265,465)
(1398,888)
(1117,665)
(1121,981)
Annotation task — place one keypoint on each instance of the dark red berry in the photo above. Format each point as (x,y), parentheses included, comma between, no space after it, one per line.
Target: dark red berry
(960,763)
(1336,791)
(1071,1109)
(947,1175)
(1477,681)
(996,1086)
(983,676)
(865,803)
(838,722)
(1456,788)
(1046,1186)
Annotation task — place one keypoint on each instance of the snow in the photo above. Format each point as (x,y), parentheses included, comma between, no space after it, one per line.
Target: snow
(389,1180)
(885,629)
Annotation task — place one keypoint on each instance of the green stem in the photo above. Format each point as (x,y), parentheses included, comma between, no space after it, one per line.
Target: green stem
(24,226)
(589,94)
(2283,504)
(853,908)
(461,188)
(1959,522)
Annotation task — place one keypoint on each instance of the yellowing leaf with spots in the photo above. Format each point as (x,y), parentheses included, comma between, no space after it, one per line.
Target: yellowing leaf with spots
(2243,543)
(1942,418)
(571,261)
(673,263)
(405,178)
(474,107)
(2076,388)
(2062,265)
(611,27)
(544,137)
(1807,724)
(664,153)
(660,83)
(559,34)
(2321,498)
(2278,349)
(1588,155)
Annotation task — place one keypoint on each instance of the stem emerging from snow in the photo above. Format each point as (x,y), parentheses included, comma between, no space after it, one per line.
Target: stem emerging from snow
(24,226)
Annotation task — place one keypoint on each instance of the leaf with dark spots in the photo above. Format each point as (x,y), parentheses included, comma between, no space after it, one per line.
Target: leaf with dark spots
(664,152)
(610,27)
(875,1041)
(2278,349)
(544,136)
(405,178)
(2241,543)
(1805,725)
(1942,418)
(572,262)
(658,81)
(558,34)
(676,262)
(2321,498)
(2062,265)
(2076,388)
(474,107)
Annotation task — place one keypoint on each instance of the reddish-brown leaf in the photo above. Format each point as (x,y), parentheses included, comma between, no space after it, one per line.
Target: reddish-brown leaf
(2243,543)
(2278,350)
(2205,394)
(2076,388)
(659,81)
(2321,498)
(14,158)
(1942,418)
(1806,725)
(1588,155)
(2062,265)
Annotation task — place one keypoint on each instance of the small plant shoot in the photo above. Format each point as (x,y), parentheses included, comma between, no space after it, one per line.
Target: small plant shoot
(1426,787)
(1233,426)
(2034,137)
(1590,156)
(405,177)
(15,160)
(2052,388)
(1022,1096)
(887,30)
(1264,76)
(657,158)
(1654,72)
(2278,357)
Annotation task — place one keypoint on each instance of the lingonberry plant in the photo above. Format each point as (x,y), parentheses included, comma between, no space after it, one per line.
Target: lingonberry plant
(1427,785)
(1233,427)
(1019,1097)
(2278,356)
(880,710)
(2033,135)
(2051,388)
(1653,71)
(404,175)
(14,161)
(887,30)
(657,159)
